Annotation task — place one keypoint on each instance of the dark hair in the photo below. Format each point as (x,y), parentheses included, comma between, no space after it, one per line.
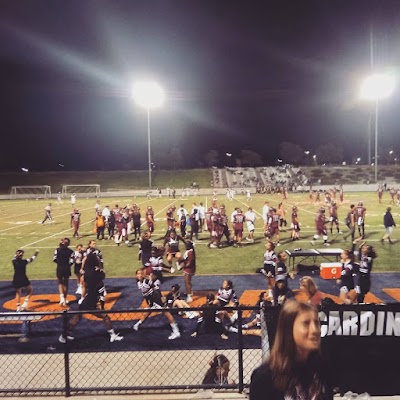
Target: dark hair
(175,287)
(211,377)
(279,255)
(229,282)
(210,297)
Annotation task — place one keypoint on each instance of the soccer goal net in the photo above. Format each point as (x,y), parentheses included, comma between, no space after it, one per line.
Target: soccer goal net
(82,190)
(30,192)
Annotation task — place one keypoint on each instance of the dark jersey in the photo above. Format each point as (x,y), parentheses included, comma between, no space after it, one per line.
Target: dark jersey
(20,279)
(226,296)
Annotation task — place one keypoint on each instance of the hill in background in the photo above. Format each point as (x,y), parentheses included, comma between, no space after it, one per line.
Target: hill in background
(328,175)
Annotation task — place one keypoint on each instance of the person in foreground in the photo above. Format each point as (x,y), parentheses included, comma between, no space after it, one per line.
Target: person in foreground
(295,368)
(218,372)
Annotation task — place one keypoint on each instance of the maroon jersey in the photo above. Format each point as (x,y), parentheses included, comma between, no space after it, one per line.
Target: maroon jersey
(75,217)
(217,225)
(273,220)
(333,211)
(238,220)
(294,217)
(209,218)
(150,217)
(360,213)
(170,219)
(320,221)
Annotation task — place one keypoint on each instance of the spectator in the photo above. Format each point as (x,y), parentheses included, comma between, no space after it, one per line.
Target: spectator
(389,224)
(218,371)
(295,369)
(310,290)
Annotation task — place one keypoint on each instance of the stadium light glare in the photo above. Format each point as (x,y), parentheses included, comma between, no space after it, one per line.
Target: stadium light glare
(377,87)
(148,95)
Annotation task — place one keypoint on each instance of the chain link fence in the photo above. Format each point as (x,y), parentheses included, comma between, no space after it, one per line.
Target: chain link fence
(34,361)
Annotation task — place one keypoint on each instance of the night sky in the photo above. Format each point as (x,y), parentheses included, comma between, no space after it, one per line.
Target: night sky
(237,75)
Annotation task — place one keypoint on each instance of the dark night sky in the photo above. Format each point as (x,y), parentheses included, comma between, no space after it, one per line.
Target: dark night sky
(237,74)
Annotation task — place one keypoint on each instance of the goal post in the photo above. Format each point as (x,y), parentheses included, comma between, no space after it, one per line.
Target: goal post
(30,192)
(90,190)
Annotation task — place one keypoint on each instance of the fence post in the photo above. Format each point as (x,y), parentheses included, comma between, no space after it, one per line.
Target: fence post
(240,351)
(66,354)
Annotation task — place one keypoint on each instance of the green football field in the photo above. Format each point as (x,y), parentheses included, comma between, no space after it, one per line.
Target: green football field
(20,227)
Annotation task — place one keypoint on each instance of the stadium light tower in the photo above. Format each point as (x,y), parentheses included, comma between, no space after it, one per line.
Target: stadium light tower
(377,87)
(148,95)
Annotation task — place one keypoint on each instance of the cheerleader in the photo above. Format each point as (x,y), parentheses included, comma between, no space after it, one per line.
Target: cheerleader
(346,281)
(270,260)
(151,293)
(227,297)
(366,257)
(20,279)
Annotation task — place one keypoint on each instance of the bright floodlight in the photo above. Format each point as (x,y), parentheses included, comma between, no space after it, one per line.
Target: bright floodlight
(148,94)
(377,87)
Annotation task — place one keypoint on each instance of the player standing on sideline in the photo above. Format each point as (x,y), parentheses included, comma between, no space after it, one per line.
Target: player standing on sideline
(360,217)
(320,227)
(273,226)
(295,225)
(350,221)
(152,294)
(333,216)
(75,222)
(47,216)
(20,279)
(63,257)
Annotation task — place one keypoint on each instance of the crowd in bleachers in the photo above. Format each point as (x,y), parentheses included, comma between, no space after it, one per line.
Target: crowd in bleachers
(263,179)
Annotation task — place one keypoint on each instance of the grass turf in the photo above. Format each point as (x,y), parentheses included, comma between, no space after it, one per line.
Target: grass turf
(20,228)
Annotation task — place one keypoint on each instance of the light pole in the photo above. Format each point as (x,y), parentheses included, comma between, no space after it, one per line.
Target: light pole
(374,88)
(148,95)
